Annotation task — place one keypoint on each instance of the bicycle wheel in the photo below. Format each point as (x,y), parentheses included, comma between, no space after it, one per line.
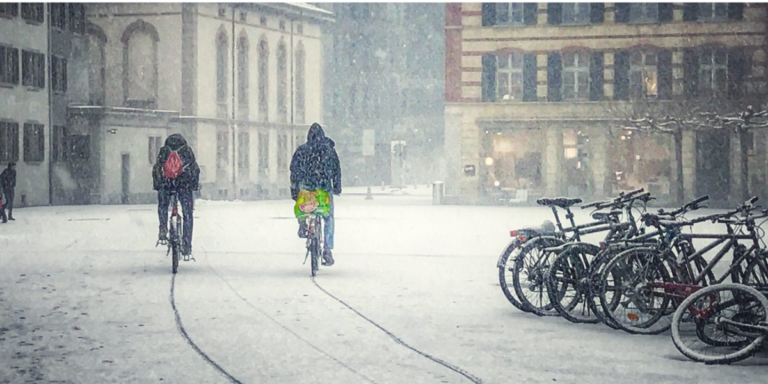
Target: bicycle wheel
(506,268)
(568,284)
(595,272)
(712,325)
(530,273)
(630,295)
(314,249)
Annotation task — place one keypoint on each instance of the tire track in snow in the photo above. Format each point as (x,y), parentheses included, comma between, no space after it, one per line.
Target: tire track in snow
(398,340)
(191,343)
(296,335)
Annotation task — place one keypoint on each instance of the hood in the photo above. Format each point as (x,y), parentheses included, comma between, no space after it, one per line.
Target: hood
(175,141)
(316,135)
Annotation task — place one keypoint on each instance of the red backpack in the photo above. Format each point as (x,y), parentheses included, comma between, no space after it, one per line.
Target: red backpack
(173,166)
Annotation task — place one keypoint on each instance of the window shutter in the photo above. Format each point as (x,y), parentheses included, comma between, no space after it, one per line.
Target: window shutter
(40,70)
(489,14)
(622,12)
(529,77)
(621,75)
(737,69)
(64,74)
(555,13)
(690,11)
(596,76)
(488,80)
(14,9)
(736,11)
(54,72)
(530,13)
(665,75)
(15,144)
(691,72)
(596,13)
(554,77)
(14,67)
(665,12)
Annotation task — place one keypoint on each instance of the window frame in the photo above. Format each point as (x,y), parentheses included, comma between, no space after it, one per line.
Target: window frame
(58,74)
(282,82)
(510,7)
(642,68)
(10,70)
(243,151)
(713,7)
(58,15)
(711,66)
(576,15)
(577,69)
(509,72)
(634,8)
(59,152)
(9,141)
(33,13)
(263,76)
(36,78)
(9,10)
(34,130)
(300,84)
(243,75)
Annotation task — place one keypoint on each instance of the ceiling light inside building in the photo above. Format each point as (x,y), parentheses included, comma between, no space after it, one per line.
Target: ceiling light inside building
(489,161)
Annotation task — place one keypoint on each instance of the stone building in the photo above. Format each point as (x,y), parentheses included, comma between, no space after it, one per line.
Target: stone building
(24,99)
(240,81)
(537,95)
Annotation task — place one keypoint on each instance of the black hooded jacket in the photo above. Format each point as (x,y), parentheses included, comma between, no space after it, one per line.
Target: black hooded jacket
(315,164)
(8,178)
(189,178)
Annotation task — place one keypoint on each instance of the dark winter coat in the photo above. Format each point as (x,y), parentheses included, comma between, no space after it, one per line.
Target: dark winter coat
(189,178)
(8,178)
(315,164)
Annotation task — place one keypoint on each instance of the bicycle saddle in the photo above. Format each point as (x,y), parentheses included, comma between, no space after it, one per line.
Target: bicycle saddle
(561,202)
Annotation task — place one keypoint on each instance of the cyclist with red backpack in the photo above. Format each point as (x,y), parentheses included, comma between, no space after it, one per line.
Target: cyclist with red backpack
(176,170)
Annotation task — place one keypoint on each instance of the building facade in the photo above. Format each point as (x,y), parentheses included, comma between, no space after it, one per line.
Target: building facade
(537,95)
(24,99)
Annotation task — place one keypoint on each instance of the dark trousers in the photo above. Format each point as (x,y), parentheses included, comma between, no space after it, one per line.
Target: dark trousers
(9,193)
(187,202)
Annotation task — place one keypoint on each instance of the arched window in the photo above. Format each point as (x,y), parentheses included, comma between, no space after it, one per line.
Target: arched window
(263,80)
(243,79)
(282,82)
(222,52)
(299,79)
(140,65)
(97,40)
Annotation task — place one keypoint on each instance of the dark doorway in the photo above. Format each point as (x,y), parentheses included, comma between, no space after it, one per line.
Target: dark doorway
(126,176)
(80,166)
(713,165)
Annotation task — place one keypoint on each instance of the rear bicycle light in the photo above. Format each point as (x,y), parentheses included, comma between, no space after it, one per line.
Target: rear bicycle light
(520,235)
(175,211)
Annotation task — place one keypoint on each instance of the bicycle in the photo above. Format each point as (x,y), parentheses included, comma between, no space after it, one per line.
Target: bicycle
(311,207)
(175,235)
(722,324)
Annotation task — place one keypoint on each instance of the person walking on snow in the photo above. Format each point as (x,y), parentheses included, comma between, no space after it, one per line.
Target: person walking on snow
(176,169)
(8,182)
(315,165)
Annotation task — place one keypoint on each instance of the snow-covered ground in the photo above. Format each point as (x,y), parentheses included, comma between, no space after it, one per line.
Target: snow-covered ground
(85,298)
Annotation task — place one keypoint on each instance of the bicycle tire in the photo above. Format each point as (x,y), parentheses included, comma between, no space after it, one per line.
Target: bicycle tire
(313,249)
(530,273)
(569,273)
(507,263)
(629,322)
(174,239)
(595,273)
(684,315)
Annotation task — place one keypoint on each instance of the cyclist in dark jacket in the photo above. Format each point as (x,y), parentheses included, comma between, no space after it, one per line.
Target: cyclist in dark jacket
(8,182)
(315,165)
(184,185)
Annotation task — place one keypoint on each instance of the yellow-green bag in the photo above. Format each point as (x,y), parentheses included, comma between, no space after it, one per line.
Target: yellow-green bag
(317,202)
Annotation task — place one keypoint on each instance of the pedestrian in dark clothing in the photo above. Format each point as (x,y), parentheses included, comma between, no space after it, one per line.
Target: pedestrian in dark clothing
(8,182)
(315,165)
(184,184)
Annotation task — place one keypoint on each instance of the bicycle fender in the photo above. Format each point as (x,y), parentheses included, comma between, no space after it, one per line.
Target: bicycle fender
(507,251)
(581,244)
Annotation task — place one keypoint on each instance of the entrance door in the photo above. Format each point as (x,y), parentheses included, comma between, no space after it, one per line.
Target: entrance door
(126,178)
(713,165)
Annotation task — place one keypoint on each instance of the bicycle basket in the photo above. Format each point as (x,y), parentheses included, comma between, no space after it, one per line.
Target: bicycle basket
(312,202)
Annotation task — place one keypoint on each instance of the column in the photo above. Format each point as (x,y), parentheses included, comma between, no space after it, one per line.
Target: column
(553,161)
(689,165)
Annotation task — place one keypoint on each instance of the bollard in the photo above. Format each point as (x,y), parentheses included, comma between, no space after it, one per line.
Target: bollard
(369,196)
(438,192)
